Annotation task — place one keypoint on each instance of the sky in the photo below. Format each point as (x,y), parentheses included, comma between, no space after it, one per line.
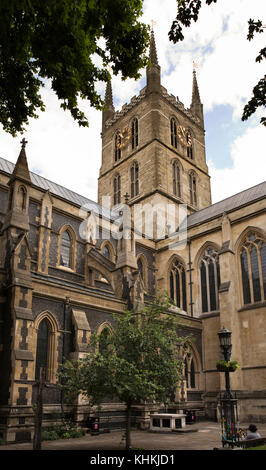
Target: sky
(61,151)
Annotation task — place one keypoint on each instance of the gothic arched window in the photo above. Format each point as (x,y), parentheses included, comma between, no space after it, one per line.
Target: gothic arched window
(178,285)
(143,269)
(104,340)
(176,178)
(65,250)
(106,252)
(117,189)
(140,268)
(173,131)
(42,348)
(193,188)
(46,346)
(134,133)
(192,374)
(186,372)
(134,179)
(190,371)
(209,280)
(253,268)
(118,141)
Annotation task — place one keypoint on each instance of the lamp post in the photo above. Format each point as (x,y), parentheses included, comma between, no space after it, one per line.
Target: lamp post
(229,415)
(226,347)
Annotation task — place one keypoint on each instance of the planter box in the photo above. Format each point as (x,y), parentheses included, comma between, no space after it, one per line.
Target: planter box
(222,368)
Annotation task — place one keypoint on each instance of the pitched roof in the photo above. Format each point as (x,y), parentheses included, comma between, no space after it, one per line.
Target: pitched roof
(229,204)
(57,189)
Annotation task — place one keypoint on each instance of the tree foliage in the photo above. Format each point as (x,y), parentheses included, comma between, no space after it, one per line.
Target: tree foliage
(70,42)
(188,11)
(137,362)
(259,91)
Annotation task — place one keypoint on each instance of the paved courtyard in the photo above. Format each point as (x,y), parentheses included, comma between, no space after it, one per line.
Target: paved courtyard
(204,435)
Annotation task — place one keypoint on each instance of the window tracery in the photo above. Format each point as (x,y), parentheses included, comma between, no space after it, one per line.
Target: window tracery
(253,268)
(178,284)
(209,280)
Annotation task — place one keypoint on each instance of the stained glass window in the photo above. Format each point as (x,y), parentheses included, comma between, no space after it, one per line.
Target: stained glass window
(255,274)
(42,348)
(186,372)
(176,178)
(212,285)
(245,279)
(210,280)
(118,140)
(253,268)
(184,290)
(65,254)
(134,133)
(263,267)
(173,130)
(172,294)
(204,296)
(134,176)
(193,189)
(178,285)
(106,252)
(192,374)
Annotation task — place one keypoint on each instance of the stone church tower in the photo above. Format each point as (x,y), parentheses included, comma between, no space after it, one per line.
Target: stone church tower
(63,274)
(153,150)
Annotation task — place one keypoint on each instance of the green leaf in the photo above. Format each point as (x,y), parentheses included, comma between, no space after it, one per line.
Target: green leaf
(58,40)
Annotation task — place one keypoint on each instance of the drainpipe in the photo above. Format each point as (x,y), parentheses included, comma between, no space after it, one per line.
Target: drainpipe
(190,276)
(66,304)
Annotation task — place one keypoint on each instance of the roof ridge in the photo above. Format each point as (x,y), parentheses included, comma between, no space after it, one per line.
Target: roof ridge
(53,182)
(190,216)
(229,197)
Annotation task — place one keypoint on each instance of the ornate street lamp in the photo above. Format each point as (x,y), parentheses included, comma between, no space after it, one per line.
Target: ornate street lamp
(225,342)
(226,347)
(229,414)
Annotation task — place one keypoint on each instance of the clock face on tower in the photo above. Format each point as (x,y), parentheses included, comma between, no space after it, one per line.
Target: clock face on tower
(184,136)
(124,135)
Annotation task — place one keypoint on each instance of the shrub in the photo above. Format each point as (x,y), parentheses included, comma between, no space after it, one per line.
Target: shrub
(49,435)
(231,365)
(65,430)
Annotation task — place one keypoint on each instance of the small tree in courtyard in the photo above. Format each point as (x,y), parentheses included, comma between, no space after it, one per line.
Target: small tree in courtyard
(137,362)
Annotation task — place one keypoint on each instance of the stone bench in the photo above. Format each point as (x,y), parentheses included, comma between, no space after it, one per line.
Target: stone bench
(167,421)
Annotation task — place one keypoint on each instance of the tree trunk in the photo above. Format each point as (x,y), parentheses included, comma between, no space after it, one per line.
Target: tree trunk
(128,427)
(37,440)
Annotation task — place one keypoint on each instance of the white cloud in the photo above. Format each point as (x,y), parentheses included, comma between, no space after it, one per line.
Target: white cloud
(59,149)
(248,169)
(227,72)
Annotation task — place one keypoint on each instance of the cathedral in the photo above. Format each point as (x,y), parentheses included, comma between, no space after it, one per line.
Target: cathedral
(68,263)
